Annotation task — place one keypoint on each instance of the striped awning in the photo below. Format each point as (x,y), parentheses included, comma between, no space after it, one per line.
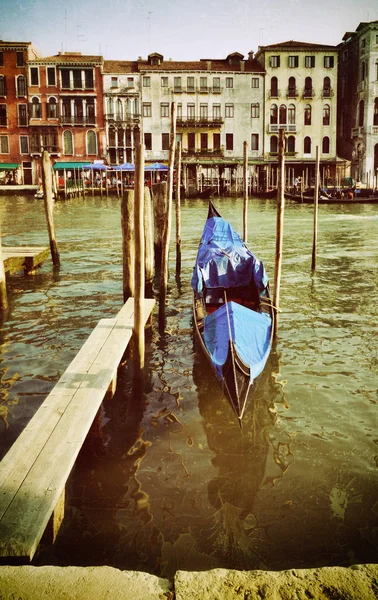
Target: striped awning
(8,166)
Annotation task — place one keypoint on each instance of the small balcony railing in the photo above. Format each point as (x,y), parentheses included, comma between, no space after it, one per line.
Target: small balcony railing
(203,151)
(292,92)
(39,148)
(327,93)
(288,127)
(134,118)
(199,121)
(78,120)
(308,93)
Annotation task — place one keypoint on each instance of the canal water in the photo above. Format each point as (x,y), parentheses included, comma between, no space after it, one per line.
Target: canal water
(175,483)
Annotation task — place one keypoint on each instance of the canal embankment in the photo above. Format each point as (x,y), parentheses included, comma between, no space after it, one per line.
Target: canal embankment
(358,582)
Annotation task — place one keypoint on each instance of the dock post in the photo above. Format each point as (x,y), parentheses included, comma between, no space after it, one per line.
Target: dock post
(159,205)
(148,241)
(139,259)
(48,202)
(245,192)
(316,200)
(280,219)
(127,220)
(168,216)
(178,210)
(3,284)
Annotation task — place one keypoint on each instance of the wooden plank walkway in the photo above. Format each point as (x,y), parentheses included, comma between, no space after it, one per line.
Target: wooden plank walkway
(34,472)
(20,258)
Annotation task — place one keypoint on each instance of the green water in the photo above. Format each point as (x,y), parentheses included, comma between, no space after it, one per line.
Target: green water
(175,484)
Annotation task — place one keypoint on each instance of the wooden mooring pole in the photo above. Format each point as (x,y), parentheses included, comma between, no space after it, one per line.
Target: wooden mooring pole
(148,242)
(178,210)
(127,221)
(3,283)
(279,230)
(245,192)
(49,204)
(168,216)
(139,253)
(316,201)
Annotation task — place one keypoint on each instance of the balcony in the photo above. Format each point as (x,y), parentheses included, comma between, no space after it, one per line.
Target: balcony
(308,93)
(203,89)
(327,93)
(204,152)
(292,93)
(119,120)
(374,130)
(288,127)
(78,120)
(199,121)
(39,148)
(274,94)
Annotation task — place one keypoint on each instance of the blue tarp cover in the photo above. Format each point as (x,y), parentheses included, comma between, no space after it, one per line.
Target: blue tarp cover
(250,332)
(224,261)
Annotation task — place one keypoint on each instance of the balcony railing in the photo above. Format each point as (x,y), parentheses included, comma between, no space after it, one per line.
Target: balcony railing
(374,130)
(76,120)
(357,132)
(39,148)
(203,151)
(199,121)
(308,93)
(134,118)
(292,93)
(327,93)
(289,127)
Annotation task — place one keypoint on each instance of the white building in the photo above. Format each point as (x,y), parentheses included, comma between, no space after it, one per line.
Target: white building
(301,98)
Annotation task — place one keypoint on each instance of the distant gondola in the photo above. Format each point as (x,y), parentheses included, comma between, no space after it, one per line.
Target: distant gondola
(233,313)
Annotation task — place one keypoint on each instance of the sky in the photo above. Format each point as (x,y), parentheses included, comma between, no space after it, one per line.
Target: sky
(177,29)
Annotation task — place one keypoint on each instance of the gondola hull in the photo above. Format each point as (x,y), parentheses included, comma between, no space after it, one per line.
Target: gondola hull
(233,313)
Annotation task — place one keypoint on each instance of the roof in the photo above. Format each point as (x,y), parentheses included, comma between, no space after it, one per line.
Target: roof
(209,66)
(120,66)
(305,46)
(70,59)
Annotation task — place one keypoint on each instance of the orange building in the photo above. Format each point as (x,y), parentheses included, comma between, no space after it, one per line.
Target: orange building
(15,159)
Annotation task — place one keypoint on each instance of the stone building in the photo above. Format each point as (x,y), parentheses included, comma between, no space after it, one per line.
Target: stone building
(301,98)
(358,100)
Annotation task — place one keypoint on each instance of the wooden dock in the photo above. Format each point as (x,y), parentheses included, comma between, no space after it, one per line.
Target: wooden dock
(20,258)
(34,472)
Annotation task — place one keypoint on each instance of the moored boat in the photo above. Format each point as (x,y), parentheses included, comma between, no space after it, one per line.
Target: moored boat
(233,312)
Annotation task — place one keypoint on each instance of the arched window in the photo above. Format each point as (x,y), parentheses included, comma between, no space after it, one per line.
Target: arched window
(91,142)
(291,144)
(375,116)
(283,114)
(67,142)
(36,108)
(110,107)
(273,114)
(52,109)
(325,145)
(21,86)
(376,70)
(326,114)
(274,87)
(308,87)
(119,109)
(291,114)
(274,143)
(326,87)
(376,158)
(307,145)
(292,91)
(361,113)
(307,114)
(3,86)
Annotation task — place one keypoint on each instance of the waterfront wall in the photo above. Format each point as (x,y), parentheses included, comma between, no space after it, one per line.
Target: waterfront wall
(359,582)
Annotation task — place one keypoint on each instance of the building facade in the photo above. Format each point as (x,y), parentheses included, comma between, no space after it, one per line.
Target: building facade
(301,98)
(358,97)
(15,160)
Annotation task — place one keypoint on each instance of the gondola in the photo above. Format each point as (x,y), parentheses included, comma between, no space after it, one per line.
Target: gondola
(233,312)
